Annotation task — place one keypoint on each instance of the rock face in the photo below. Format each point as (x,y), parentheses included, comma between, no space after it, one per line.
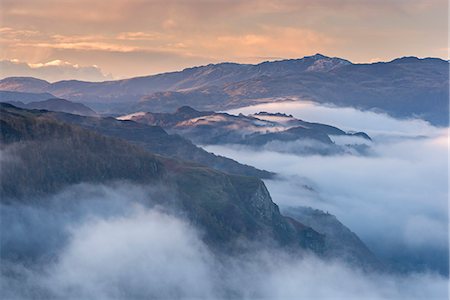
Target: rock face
(405,87)
(340,242)
(210,128)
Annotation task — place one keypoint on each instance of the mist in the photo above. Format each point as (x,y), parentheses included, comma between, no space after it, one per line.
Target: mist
(394,197)
(346,118)
(118,242)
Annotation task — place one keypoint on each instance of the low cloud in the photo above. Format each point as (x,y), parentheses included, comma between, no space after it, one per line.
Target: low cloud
(114,244)
(346,118)
(52,71)
(394,197)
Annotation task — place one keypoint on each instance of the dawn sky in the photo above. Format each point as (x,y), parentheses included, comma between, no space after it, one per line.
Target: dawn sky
(99,40)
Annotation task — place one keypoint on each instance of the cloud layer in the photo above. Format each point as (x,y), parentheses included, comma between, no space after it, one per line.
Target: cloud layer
(114,245)
(396,194)
(52,71)
(135,37)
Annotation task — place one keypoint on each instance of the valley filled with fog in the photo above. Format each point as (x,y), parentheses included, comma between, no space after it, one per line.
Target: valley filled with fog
(394,197)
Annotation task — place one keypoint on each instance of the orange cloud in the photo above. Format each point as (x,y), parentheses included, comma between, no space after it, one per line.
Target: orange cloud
(271,41)
(83,46)
(52,70)
(144,33)
(134,36)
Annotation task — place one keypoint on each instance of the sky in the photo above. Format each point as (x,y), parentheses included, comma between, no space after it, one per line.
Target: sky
(99,40)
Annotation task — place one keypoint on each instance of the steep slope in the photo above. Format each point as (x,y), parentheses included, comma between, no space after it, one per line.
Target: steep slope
(340,241)
(405,87)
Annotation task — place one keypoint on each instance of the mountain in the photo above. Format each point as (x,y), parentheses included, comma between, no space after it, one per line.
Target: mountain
(47,155)
(405,87)
(211,128)
(156,140)
(56,104)
(42,155)
(190,78)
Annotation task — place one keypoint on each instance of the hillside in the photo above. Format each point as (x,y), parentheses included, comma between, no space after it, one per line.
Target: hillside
(156,140)
(42,155)
(48,155)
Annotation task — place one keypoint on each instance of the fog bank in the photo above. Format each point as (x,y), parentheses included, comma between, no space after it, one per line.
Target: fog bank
(346,118)
(113,244)
(394,198)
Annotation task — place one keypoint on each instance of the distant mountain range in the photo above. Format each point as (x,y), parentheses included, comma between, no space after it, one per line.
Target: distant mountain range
(260,129)
(405,87)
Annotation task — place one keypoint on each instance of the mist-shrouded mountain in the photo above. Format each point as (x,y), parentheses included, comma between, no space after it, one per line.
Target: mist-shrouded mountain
(51,154)
(405,87)
(257,130)
(42,155)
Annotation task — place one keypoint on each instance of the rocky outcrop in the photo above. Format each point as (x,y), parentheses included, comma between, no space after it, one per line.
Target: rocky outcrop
(340,241)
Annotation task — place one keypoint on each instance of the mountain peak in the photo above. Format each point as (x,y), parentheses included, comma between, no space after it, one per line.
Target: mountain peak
(186,110)
(322,63)
(406,59)
(317,56)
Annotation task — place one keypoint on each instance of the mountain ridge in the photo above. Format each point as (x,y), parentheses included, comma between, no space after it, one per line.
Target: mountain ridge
(399,59)
(55,104)
(255,130)
(156,140)
(404,87)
